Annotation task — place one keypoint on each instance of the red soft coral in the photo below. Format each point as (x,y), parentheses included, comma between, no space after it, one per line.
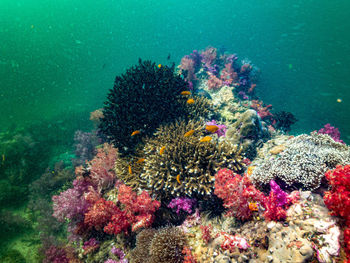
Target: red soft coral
(139,209)
(100,214)
(236,192)
(118,223)
(273,210)
(338,199)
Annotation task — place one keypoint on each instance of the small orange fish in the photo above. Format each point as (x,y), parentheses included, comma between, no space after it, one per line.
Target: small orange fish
(130,171)
(206,139)
(141,160)
(253,206)
(190,101)
(211,128)
(178,178)
(161,151)
(159,65)
(186,92)
(189,133)
(250,170)
(135,132)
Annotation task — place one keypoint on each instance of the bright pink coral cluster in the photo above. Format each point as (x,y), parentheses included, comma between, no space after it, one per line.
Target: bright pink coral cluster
(338,198)
(236,192)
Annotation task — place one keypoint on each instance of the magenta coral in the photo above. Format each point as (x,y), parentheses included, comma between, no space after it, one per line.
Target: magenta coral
(222,128)
(273,211)
(182,203)
(331,131)
(281,196)
(236,192)
(102,167)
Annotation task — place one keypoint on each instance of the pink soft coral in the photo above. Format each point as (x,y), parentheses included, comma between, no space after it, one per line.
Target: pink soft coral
(102,167)
(236,192)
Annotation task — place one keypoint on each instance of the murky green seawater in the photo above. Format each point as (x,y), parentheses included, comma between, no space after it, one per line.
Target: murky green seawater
(60,55)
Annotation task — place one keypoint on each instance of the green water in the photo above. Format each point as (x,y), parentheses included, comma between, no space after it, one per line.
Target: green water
(59,58)
(63,55)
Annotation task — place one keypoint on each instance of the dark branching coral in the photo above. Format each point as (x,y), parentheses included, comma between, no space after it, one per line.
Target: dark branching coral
(140,100)
(175,165)
(164,245)
(284,120)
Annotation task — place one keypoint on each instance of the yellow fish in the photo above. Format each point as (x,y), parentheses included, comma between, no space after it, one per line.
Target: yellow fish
(206,139)
(189,133)
(211,128)
(190,101)
(141,160)
(159,65)
(135,132)
(250,170)
(130,171)
(253,206)
(178,178)
(186,92)
(161,151)
(3,158)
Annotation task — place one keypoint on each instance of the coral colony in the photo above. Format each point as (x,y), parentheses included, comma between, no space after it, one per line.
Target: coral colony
(191,166)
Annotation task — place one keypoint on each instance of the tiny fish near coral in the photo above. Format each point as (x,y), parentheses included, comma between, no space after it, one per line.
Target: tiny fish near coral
(190,101)
(189,133)
(141,160)
(211,128)
(206,139)
(185,92)
(161,151)
(135,132)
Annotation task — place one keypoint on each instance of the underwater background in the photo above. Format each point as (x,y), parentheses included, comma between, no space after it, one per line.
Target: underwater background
(62,56)
(58,59)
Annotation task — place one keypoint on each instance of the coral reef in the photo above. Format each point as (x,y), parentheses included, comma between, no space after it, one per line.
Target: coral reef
(331,131)
(237,192)
(304,161)
(248,131)
(175,164)
(142,99)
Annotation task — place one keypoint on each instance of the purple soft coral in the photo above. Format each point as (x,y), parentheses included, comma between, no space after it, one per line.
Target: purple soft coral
(281,196)
(182,203)
(222,128)
(331,131)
